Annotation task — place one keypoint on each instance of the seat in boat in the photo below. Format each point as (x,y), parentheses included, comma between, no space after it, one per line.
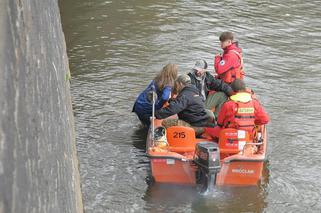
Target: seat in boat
(181,139)
(232,141)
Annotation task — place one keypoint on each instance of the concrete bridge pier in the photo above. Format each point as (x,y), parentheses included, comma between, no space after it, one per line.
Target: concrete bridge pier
(38,160)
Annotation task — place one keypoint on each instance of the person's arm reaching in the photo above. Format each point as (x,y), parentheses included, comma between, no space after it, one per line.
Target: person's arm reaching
(165,97)
(218,85)
(175,106)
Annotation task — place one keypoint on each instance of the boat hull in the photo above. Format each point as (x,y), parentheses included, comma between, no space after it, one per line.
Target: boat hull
(177,171)
(169,170)
(179,168)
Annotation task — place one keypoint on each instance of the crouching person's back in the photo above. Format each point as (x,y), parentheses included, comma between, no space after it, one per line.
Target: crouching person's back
(188,105)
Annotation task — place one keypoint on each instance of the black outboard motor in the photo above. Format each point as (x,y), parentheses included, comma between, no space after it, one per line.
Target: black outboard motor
(207,158)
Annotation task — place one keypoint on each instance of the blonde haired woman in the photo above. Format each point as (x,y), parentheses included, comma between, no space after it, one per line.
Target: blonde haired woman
(163,84)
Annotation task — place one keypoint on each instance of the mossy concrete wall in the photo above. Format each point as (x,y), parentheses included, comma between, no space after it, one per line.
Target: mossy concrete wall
(38,162)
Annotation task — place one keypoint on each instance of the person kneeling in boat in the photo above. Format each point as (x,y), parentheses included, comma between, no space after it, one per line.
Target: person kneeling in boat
(162,84)
(241,111)
(188,105)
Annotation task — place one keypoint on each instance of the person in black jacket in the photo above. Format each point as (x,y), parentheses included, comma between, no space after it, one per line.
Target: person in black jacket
(204,81)
(188,105)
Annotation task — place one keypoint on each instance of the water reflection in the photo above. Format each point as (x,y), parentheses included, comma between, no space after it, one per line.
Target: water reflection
(169,198)
(174,198)
(139,138)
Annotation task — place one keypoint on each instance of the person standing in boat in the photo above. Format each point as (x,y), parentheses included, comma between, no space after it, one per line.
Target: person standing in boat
(206,84)
(240,112)
(188,105)
(162,84)
(229,65)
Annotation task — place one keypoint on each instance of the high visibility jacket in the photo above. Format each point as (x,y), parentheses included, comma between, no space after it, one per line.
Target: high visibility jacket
(242,112)
(229,66)
(244,116)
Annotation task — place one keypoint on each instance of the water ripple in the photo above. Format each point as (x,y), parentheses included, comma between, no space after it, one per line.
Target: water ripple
(116,47)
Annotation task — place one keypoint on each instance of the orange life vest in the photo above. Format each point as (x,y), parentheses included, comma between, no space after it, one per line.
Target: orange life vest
(244,117)
(235,73)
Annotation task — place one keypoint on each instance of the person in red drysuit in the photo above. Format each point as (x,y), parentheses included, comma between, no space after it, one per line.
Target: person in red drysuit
(240,112)
(229,65)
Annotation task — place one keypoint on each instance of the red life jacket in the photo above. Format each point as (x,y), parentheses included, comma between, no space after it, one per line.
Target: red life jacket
(235,73)
(244,117)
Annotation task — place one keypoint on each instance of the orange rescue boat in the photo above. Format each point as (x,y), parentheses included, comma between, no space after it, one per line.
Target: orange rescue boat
(178,157)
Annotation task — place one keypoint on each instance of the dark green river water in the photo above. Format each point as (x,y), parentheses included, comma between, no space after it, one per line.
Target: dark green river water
(116,47)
